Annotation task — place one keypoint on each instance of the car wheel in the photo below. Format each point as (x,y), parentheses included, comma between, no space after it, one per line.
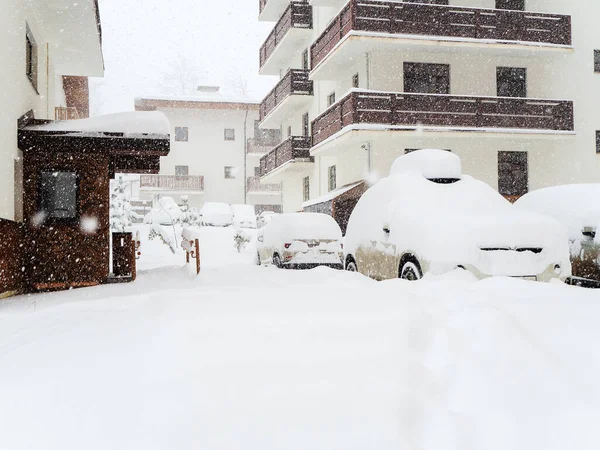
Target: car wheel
(351,266)
(277,261)
(410,271)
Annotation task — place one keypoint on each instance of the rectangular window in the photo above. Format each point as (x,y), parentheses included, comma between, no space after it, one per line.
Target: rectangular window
(355,81)
(597,141)
(513,174)
(511,82)
(331,99)
(31,58)
(230,172)
(427,78)
(181,134)
(58,194)
(183,171)
(305,125)
(229,134)
(596,61)
(332,178)
(306,189)
(305,60)
(289,131)
(266,137)
(515,5)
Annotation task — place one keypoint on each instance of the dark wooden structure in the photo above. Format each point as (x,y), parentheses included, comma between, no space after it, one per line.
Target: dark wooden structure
(65,253)
(295,82)
(297,15)
(173,182)
(420,19)
(12,258)
(293,148)
(414,110)
(340,207)
(191,245)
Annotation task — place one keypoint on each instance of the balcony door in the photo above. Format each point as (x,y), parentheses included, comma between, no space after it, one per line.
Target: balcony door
(515,5)
(511,82)
(427,78)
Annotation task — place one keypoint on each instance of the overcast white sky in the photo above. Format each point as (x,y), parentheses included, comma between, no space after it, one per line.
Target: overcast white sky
(145,41)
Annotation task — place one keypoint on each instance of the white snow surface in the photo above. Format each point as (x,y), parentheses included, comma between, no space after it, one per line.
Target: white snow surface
(133,123)
(576,206)
(431,163)
(244,216)
(300,226)
(254,358)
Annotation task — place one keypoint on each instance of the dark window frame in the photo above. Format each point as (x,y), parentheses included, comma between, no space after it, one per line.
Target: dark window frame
(187,170)
(332,178)
(227,172)
(305,60)
(508,5)
(31,59)
(598,141)
(41,195)
(596,61)
(232,138)
(178,134)
(305,125)
(356,80)
(509,184)
(331,99)
(306,189)
(415,73)
(503,81)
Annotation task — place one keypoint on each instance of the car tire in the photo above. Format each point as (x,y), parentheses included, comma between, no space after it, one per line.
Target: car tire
(351,266)
(410,271)
(277,261)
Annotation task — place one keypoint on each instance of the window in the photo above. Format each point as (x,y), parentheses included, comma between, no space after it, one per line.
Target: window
(305,60)
(511,82)
(427,78)
(230,172)
(229,134)
(355,80)
(516,5)
(331,99)
(289,131)
(58,194)
(306,189)
(597,141)
(596,61)
(31,58)
(305,125)
(267,138)
(181,134)
(513,175)
(332,178)
(183,171)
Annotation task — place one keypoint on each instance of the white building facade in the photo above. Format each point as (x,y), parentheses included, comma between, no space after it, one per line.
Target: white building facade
(45,45)
(216,147)
(510,86)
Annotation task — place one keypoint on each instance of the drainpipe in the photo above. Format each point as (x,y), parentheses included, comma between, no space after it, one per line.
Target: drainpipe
(48,81)
(246,154)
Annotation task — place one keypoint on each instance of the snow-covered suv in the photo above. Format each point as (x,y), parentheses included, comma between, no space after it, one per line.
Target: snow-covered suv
(429,217)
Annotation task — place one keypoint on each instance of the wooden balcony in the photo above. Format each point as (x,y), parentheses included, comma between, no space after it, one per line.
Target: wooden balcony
(292,149)
(404,19)
(297,17)
(172,182)
(65,113)
(445,111)
(255,186)
(294,83)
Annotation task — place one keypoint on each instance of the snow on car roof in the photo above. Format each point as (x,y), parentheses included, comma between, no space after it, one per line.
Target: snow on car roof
(306,226)
(431,163)
(574,205)
(128,123)
(216,207)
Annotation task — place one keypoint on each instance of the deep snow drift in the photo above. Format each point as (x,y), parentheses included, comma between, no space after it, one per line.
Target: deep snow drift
(247,357)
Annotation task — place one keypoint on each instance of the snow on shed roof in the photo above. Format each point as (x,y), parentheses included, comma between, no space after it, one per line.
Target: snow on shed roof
(134,123)
(331,195)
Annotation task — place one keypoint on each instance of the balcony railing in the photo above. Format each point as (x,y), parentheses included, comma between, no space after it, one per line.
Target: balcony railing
(295,82)
(256,147)
(297,15)
(254,185)
(295,147)
(65,113)
(414,110)
(401,18)
(172,182)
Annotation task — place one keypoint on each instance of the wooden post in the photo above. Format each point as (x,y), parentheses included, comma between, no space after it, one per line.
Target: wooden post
(133,260)
(197,257)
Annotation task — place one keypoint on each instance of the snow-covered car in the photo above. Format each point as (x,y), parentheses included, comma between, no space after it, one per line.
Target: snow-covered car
(244,216)
(427,217)
(264,218)
(576,206)
(217,215)
(166,212)
(300,240)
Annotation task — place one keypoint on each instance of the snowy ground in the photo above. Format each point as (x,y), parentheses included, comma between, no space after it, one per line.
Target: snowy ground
(253,358)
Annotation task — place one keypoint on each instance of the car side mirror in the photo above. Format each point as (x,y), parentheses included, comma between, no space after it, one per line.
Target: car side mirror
(386,228)
(589,232)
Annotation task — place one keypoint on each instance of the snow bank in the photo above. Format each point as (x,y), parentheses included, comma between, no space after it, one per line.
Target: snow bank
(217,214)
(431,163)
(129,123)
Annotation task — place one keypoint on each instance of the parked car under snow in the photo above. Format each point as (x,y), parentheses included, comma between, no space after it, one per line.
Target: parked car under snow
(244,216)
(216,215)
(300,240)
(264,218)
(577,208)
(429,217)
(166,212)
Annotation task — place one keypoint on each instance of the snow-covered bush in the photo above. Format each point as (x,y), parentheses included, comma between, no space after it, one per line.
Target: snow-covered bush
(240,240)
(120,208)
(190,215)
(166,212)
(159,232)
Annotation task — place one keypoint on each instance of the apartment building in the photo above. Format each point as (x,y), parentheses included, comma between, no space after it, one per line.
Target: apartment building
(215,151)
(510,86)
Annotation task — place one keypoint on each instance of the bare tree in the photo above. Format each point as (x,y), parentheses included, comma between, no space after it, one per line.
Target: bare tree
(182,78)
